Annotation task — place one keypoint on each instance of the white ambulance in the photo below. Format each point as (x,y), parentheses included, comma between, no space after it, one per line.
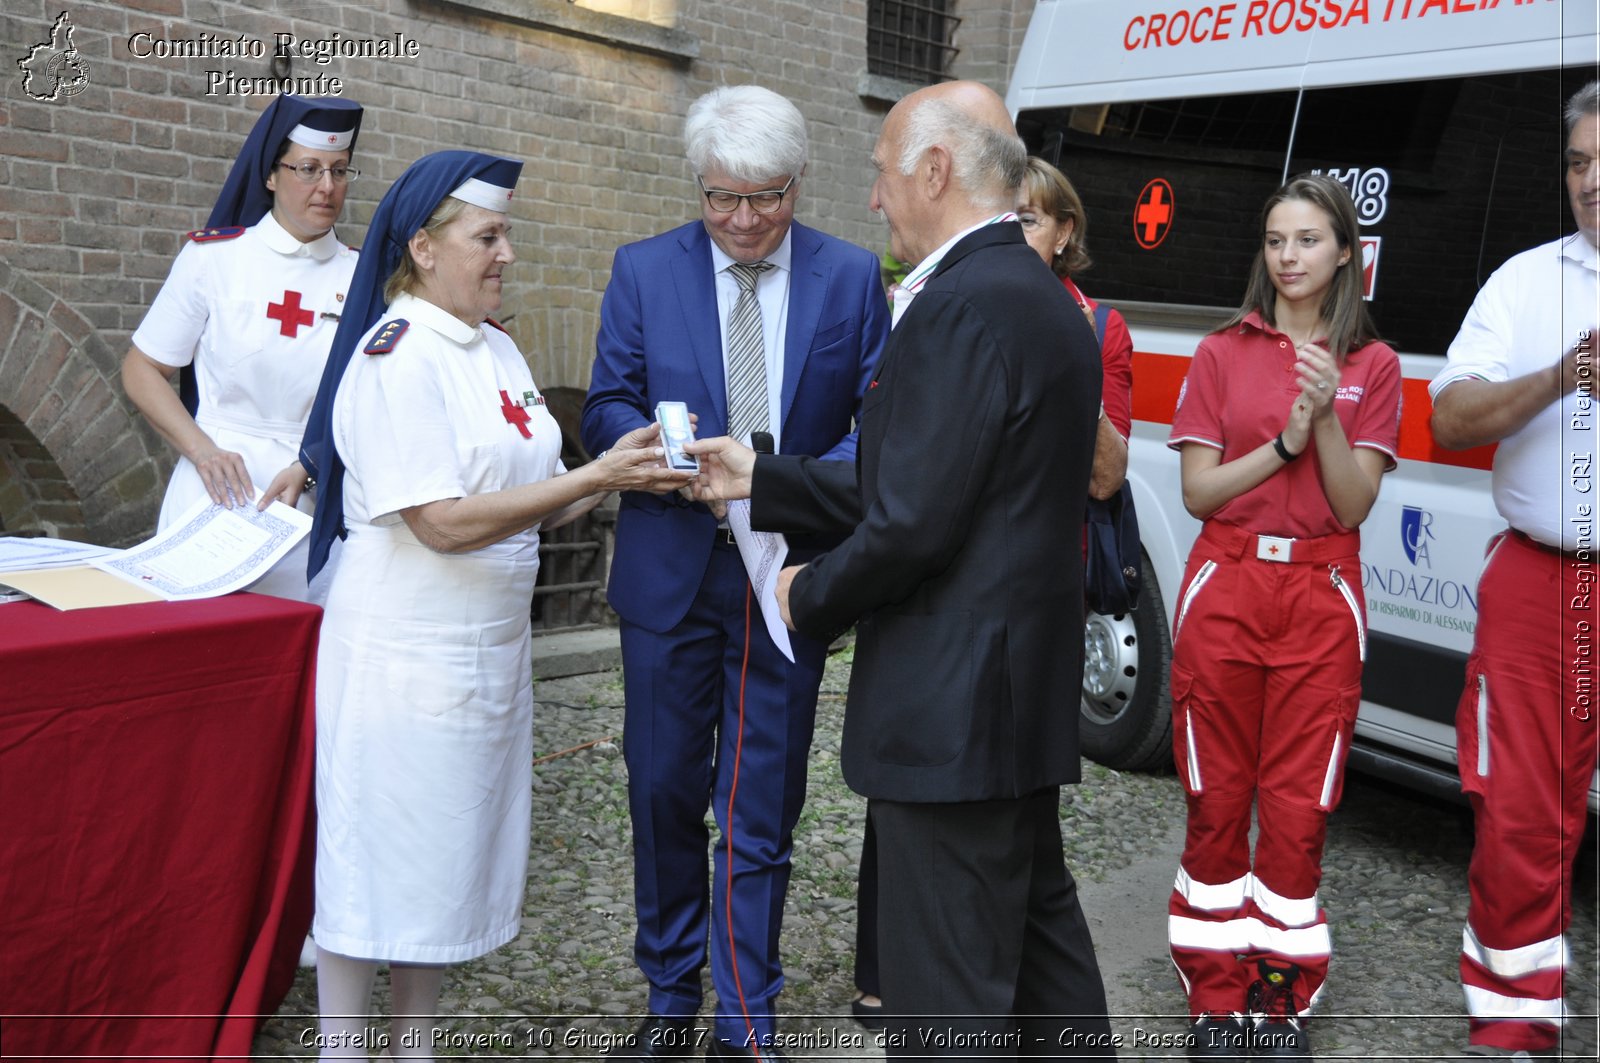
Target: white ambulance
(1175,119)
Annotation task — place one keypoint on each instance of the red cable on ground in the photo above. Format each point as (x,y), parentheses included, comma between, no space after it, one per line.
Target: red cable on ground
(727,899)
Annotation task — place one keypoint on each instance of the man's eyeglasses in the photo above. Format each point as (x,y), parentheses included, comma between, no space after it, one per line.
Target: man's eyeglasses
(311,173)
(725,202)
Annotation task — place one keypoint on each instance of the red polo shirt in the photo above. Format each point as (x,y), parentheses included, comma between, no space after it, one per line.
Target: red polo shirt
(1237,397)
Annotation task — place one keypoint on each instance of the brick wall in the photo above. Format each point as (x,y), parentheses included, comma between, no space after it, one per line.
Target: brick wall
(97,188)
(989,37)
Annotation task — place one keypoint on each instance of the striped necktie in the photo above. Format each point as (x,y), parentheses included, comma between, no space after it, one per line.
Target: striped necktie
(747,358)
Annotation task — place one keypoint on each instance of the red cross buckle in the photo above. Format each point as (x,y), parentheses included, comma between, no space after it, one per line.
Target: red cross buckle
(1274,548)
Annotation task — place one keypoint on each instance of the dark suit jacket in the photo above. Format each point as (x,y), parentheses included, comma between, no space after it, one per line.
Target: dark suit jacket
(660,339)
(964,576)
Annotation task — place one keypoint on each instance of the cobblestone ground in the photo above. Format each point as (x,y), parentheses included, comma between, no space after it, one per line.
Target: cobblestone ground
(1395,889)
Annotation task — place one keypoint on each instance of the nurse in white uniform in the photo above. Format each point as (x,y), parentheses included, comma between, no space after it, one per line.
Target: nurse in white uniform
(438,458)
(246,316)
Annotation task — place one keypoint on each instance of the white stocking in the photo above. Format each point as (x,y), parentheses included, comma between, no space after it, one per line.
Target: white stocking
(415,989)
(344,997)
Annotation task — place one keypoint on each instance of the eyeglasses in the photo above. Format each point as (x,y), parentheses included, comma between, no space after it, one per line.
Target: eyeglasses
(725,202)
(311,173)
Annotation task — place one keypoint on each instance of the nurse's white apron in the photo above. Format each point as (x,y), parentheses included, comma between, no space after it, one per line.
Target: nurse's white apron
(425,701)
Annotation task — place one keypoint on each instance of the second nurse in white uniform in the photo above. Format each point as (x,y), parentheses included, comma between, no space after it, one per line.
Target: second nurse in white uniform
(246,317)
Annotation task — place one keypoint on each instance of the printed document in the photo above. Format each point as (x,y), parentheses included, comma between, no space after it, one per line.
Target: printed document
(211,551)
(764,554)
(18,554)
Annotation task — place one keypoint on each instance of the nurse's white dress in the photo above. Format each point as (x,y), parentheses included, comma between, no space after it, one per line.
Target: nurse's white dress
(256,314)
(424,672)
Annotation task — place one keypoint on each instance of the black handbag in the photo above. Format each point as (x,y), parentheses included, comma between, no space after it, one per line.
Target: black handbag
(1111,531)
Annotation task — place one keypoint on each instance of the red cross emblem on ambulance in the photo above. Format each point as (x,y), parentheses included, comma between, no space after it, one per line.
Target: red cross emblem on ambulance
(1153,212)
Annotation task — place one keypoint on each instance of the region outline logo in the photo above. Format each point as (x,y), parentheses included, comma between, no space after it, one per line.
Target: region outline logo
(54,68)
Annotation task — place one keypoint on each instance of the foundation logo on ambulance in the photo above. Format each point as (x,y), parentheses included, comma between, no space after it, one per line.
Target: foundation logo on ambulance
(53,68)
(1416,531)
(1411,597)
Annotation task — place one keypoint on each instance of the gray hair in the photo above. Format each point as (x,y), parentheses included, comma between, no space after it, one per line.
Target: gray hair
(748,132)
(989,163)
(1584,102)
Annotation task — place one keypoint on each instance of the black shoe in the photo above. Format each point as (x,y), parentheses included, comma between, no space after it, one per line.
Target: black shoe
(658,1037)
(719,1049)
(868,1015)
(1217,1037)
(1276,1028)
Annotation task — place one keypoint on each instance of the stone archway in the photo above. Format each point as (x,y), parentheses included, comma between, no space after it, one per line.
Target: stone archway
(79,459)
(35,496)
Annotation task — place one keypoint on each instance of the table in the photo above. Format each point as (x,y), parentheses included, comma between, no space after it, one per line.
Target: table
(157,823)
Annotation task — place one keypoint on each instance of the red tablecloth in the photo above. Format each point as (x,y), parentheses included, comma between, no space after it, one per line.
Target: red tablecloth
(156,824)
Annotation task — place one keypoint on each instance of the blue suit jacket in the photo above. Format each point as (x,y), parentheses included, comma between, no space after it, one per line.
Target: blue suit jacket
(660,340)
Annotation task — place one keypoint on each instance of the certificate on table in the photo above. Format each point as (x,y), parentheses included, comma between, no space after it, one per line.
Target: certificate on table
(211,551)
(17,553)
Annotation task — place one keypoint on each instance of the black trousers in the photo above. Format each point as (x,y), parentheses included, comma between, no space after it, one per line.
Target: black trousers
(867,916)
(984,949)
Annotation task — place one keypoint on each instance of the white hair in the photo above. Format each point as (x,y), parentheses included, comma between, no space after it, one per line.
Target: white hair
(988,162)
(748,132)
(1584,102)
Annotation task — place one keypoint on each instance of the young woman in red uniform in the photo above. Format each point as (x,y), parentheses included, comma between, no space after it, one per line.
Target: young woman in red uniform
(1286,423)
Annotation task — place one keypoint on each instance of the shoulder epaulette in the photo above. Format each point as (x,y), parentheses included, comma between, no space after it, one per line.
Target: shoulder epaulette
(496,324)
(207,236)
(387,337)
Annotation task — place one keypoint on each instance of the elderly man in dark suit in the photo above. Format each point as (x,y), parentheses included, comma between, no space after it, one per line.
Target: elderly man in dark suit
(758,324)
(962,575)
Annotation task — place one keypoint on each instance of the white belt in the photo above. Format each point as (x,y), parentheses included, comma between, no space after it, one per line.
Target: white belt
(283,431)
(520,549)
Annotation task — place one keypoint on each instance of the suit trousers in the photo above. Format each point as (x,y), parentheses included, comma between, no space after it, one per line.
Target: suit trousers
(1526,747)
(866,975)
(702,727)
(985,949)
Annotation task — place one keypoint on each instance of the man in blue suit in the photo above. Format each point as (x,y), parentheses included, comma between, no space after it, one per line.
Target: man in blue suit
(758,324)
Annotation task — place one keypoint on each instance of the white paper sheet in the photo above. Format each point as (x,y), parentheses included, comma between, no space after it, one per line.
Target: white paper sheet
(18,554)
(764,554)
(211,551)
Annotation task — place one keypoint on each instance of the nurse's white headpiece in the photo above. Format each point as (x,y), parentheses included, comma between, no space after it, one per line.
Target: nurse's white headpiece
(491,189)
(327,130)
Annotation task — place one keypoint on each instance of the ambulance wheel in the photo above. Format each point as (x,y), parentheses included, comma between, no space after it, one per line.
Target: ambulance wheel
(1126,719)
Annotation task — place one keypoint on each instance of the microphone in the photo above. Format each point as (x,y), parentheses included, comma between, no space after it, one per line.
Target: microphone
(761,443)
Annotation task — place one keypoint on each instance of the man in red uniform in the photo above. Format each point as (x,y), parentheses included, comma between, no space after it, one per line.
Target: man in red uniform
(1521,374)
